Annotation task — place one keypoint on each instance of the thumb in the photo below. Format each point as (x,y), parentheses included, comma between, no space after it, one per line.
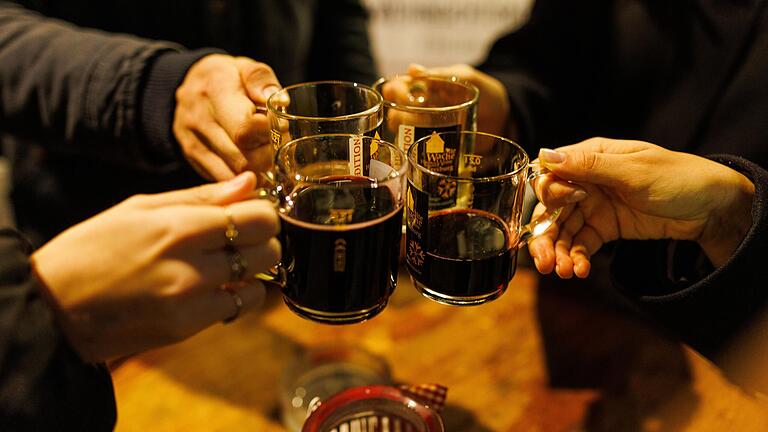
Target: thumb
(258,79)
(416,70)
(221,193)
(587,166)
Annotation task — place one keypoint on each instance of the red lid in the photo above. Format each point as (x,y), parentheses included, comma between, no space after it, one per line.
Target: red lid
(373,408)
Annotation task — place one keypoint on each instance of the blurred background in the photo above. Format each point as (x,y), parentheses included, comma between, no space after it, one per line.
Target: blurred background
(439,32)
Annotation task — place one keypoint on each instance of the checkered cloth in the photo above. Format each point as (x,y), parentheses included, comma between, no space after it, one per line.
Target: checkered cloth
(431,395)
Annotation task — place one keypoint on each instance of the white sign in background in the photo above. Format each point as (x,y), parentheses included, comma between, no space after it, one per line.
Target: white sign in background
(439,32)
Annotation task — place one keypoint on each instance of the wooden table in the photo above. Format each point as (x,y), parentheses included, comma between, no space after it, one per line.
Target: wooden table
(538,359)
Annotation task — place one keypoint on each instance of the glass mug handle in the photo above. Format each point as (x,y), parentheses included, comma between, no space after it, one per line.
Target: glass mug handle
(276,274)
(544,221)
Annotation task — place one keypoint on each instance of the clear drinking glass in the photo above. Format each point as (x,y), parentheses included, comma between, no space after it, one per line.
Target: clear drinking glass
(415,107)
(321,372)
(340,201)
(323,107)
(373,408)
(464,203)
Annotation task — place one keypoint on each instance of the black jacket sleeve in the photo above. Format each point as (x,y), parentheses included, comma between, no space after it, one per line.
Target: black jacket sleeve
(43,384)
(675,284)
(111,95)
(553,58)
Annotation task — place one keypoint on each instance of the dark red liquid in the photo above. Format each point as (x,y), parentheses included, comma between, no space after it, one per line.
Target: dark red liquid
(468,254)
(340,250)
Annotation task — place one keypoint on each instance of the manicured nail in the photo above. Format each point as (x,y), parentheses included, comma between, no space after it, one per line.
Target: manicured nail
(269,91)
(550,156)
(576,196)
(238,181)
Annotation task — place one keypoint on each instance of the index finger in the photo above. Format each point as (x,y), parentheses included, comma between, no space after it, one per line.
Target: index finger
(236,114)
(606,145)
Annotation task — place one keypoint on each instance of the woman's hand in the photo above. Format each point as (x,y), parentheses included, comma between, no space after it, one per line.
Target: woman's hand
(148,271)
(219,120)
(637,190)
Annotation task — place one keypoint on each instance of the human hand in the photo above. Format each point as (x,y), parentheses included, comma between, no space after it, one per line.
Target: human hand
(220,121)
(493,105)
(147,272)
(637,190)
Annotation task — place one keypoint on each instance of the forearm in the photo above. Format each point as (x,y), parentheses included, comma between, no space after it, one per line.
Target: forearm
(75,88)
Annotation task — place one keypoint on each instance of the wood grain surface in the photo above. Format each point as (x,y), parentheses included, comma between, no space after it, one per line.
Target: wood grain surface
(540,358)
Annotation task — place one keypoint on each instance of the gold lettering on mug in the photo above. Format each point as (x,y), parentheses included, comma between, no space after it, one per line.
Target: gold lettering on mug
(405,136)
(472,161)
(339,255)
(413,219)
(356,155)
(276,138)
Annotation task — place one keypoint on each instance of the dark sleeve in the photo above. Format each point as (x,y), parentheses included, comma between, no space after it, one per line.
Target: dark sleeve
(43,384)
(340,44)
(550,58)
(91,88)
(675,284)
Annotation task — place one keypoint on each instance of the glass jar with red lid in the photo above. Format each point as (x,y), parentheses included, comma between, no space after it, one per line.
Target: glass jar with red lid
(374,408)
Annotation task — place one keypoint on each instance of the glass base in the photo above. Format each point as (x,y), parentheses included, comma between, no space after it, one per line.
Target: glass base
(456,301)
(335,317)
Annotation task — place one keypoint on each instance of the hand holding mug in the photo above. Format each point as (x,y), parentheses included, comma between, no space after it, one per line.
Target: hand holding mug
(322,107)
(220,120)
(464,205)
(637,190)
(417,106)
(493,103)
(148,271)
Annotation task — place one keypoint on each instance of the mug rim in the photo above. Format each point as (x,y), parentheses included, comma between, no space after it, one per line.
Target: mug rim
(281,170)
(416,109)
(348,84)
(413,162)
(431,419)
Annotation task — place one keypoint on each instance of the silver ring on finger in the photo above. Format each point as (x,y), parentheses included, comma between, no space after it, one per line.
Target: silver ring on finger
(230,231)
(236,299)
(238,266)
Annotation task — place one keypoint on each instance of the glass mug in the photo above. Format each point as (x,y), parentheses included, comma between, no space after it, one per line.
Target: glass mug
(415,107)
(373,408)
(340,202)
(322,371)
(464,203)
(322,107)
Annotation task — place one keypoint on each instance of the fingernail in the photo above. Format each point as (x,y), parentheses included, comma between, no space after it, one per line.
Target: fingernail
(536,262)
(551,156)
(576,196)
(238,181)
(269,91)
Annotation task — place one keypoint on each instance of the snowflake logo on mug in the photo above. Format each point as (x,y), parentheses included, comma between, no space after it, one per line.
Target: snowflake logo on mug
(446,188)
(415,254)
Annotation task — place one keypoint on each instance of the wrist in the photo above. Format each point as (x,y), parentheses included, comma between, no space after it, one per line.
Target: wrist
(75,327)
(729,220)
(158,101)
